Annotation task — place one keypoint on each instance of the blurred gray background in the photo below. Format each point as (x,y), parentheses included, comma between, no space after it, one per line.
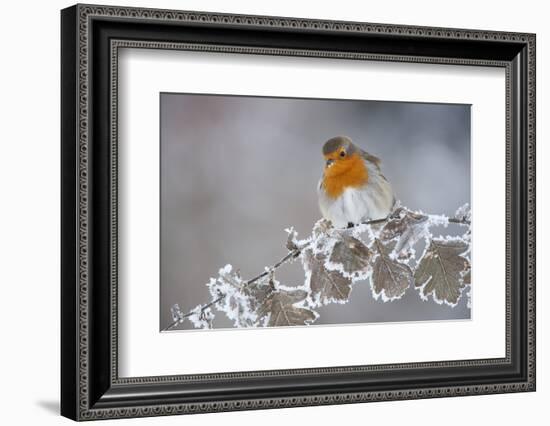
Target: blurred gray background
(236,171)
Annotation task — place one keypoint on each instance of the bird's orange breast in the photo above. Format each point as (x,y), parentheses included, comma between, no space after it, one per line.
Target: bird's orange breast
(345,173)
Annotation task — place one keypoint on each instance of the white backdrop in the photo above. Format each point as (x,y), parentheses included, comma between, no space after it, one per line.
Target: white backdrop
(146,352)
(29,233)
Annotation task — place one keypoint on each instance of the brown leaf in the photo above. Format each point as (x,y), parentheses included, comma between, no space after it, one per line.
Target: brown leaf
(352,254)
(405,226)
(257,292)
(390,278)
(280,306)
(440,270)
(325,285)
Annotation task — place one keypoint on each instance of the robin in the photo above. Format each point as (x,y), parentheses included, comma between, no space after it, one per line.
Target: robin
(352,189)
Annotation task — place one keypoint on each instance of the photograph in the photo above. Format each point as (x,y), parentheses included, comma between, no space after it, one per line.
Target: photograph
(278,212)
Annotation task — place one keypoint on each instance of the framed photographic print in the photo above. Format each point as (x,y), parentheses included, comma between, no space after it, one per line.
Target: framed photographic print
(263,212)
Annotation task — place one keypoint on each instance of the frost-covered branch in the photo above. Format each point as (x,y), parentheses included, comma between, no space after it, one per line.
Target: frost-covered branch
(202,312)
(381,252)
(291,255)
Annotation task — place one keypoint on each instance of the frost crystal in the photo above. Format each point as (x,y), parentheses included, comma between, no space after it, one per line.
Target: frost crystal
(464,213)
(227,290)
(177,314)
(201,317)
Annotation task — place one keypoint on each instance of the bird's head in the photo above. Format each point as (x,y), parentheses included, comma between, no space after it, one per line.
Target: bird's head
(340,155)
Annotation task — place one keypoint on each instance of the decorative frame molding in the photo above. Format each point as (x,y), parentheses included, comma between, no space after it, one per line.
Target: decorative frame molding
(91,37)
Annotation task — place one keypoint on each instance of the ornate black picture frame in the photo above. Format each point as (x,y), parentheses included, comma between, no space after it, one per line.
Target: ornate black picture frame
(90,385)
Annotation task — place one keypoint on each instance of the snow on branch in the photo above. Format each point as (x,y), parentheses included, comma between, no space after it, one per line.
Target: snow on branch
(382,253)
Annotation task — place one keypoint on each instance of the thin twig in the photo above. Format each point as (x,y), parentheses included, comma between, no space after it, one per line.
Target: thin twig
(376,221)
(290,255)
(459,221)
(187,315)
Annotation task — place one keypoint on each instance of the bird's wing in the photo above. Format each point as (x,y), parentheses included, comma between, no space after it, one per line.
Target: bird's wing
(375,161)
(371,158)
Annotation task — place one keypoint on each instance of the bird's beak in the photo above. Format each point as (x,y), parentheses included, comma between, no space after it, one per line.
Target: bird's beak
(329,162)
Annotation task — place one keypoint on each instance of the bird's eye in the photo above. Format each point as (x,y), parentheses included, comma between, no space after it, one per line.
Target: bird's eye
(342,153)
